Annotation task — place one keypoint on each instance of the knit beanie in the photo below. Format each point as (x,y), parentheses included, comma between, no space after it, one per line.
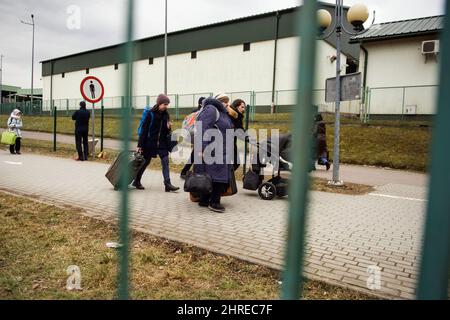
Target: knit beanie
(162,99)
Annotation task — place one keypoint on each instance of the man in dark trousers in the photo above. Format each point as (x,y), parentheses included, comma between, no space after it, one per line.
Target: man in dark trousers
(81,118)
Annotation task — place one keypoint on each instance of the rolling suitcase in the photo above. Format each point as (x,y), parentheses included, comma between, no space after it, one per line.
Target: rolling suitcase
(135,162)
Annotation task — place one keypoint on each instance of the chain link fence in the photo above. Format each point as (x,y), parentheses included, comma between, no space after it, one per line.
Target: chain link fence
(400,103)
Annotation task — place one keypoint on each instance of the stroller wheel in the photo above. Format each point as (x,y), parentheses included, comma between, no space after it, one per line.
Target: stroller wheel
(267,191)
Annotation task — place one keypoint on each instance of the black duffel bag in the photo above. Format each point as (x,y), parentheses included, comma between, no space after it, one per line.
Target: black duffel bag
(251,180)
(198,183)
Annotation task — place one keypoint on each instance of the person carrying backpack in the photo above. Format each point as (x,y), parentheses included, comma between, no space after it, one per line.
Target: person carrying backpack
(154,140)
(189,163)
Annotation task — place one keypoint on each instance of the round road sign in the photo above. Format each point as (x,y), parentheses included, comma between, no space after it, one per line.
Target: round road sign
(92,89)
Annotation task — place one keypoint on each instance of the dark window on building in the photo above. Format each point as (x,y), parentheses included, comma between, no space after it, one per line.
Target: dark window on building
(194,55)
(150,60)
(63,75)
(116,66)
(247,46)
(352,66)
(87,71)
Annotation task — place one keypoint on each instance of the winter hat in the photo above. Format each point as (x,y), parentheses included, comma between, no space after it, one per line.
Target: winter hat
(162,99)
(222,97)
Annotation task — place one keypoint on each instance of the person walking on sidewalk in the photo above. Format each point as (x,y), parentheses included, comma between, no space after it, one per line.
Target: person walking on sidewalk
(320,143)
(81,118)
(154,140)
(236,113)
(188,164)
(220,171)
(15,125)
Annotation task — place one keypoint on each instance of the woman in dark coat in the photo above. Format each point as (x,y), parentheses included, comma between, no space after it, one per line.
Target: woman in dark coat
(236,113)
(214,117)
(154,141)
(320,138)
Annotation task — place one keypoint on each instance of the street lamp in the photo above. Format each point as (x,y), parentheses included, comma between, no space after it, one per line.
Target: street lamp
(165,48)
(356,16)
(1,78)
(32,54)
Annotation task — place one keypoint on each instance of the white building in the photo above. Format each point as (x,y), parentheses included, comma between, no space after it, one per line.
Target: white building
(252,54)
(399,61)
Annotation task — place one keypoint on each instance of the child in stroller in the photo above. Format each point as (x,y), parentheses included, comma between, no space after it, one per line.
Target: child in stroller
(277,186)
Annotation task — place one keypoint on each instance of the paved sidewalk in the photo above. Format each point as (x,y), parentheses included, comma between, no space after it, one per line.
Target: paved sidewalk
(349,173)
(345,235)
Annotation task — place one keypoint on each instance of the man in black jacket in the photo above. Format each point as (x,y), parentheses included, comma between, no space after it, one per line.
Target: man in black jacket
(81,118)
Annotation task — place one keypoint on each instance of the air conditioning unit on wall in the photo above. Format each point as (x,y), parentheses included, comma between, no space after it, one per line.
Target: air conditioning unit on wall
(430,48)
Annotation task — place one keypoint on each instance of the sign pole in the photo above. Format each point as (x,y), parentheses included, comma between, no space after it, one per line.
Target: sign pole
(93,131)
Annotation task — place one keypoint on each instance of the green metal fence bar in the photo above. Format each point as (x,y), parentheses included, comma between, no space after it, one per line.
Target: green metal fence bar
(127,53)
(55,114)
(301,151)
(433,279)
(102,125)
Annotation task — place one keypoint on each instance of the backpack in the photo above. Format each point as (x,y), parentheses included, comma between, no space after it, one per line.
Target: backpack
(190,120)
(144,115)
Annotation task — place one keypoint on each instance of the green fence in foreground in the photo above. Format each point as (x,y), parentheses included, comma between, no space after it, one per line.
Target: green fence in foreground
(435,264)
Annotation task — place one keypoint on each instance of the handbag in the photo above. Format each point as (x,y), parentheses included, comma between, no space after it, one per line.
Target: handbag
(232,186)
(251,180)
(198,183)
(8,137)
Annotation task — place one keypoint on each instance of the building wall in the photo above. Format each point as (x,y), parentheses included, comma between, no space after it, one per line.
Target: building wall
(395,64)
(228,69)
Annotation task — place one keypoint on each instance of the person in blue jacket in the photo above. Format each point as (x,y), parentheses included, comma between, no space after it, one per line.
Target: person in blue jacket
(154,140)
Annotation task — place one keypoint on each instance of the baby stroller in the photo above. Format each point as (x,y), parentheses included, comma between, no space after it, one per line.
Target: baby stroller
(277,186)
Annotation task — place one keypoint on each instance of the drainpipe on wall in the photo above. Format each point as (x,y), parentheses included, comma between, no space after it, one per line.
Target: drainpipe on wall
(51,87)
(366,59)
(272,109)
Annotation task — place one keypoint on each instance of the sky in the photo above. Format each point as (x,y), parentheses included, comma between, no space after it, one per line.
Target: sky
(69,26)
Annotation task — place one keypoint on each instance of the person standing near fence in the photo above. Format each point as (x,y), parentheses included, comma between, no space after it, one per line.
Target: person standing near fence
(15,125)
(154,140)
(81,118)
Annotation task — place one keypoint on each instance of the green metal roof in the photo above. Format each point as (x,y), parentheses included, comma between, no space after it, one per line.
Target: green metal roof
(401,29)
(36,91)
(9,88)
(255,28)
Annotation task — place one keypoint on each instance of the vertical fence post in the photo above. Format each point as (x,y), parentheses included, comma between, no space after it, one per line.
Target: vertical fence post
(177,107)
(301,152)
(102,123)
(403,102)
(127,53)
(67,107)
(54,127)
(435,264)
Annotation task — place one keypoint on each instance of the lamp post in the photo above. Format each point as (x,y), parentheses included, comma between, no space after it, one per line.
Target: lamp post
(32,55)
(165,48)
(356,15)
(1,78)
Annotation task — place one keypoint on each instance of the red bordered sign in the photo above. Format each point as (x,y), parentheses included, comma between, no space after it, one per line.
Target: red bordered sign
(92,89)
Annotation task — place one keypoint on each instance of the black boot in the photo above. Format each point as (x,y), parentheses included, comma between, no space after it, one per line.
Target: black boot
(138,185)
(169,187)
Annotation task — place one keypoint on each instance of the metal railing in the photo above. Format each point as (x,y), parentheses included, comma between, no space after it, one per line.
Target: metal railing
(400,102)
